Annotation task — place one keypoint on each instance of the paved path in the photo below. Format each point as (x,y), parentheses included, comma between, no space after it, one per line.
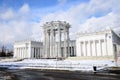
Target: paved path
(61,75)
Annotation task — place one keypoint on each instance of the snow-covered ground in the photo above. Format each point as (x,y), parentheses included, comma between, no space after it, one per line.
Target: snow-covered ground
(83,65)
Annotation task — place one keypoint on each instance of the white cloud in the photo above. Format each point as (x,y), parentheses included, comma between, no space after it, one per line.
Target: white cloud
(36,31)
(82,17)
(24,9)
(62,2)
(14,30)
(7,15)
(14,25)
(93,15)
(93,24)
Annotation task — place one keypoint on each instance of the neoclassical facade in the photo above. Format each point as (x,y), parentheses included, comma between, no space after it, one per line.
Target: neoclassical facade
(28,49)
(103,44)
(56,32)
(57,44)
(34,49)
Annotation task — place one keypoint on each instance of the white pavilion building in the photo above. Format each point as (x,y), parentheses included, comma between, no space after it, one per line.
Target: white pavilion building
(91,45)
(28,49)
(34,49)
(98,45)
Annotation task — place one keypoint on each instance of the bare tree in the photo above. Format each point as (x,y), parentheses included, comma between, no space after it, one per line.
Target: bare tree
(3,51)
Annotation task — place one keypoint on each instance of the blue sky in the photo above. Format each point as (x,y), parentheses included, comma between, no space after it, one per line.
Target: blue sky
(16,4)
(33,3)
(21,19)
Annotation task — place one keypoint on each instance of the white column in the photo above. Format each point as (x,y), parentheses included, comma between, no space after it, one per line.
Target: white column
(48,42)
(14,53)
(84,48)
(90,48)
(59,43)
(68,39)
(23,52)
(100,47)
(56,49)
(33,52)
(39,52)
(20,53)
(36,52)
(44,44)
(26,52)
(51,43)
(17,53)
(94,48)
(103,47)
(106,47)
(54,42)
(65,43)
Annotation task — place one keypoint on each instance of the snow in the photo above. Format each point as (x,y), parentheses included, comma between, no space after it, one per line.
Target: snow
(72,65)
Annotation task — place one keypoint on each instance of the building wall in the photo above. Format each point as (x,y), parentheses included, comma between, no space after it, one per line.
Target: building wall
(28,49)
(21,50)
(96,44)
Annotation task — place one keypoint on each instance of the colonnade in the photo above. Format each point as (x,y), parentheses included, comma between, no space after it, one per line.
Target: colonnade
(53,34)
(36,52)
(21,52)
(93,48)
